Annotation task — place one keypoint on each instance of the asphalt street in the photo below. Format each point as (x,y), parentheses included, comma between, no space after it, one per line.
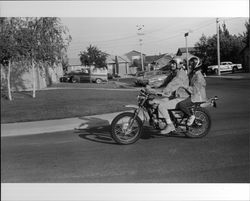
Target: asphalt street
(90,155)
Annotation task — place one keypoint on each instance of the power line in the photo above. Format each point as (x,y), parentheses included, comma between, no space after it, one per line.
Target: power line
(120,41)
(134,36)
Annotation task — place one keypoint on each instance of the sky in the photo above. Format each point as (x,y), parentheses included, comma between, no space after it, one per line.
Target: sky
(112,25)
(118,36)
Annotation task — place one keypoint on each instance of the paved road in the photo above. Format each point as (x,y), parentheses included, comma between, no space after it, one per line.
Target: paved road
(91,155)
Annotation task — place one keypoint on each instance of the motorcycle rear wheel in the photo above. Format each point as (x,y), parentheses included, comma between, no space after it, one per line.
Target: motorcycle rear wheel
(201,125)
(124,134)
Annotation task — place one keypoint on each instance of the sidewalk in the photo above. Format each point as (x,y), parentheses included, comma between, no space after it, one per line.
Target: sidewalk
(49,126)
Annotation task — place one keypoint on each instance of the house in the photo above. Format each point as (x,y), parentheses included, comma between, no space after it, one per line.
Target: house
(135,55)
(74,64)
(163,61)
(152,58)
(118,65)
(182,50)
(134,58)
(184,56)
(245,58)
(150,61)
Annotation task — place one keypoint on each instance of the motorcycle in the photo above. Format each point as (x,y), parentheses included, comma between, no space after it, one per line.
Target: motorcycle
(126,128)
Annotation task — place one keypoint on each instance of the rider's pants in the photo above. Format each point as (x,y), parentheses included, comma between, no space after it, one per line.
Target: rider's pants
(184,106)
(165,104)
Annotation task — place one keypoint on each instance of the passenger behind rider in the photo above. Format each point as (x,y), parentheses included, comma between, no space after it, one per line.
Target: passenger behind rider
(172,92)
(197,84)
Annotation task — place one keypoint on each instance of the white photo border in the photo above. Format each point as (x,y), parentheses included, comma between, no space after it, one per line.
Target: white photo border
(117,192)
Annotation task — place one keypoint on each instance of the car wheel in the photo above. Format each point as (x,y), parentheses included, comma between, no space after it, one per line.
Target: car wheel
(216,71)
(98,81)
(74,80)
(234,69)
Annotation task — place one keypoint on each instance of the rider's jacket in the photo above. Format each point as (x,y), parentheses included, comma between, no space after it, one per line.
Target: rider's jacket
(197,87)
(179,81)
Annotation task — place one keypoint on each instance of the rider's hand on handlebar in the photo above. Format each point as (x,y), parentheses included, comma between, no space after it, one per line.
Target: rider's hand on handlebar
(163,95)
(149,90)
(148,87)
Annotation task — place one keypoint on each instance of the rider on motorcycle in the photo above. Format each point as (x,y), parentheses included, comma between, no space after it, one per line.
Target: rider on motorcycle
(172,91)
(196,88)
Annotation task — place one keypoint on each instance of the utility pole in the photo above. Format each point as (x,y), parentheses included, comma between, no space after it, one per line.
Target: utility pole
(218,44)
(140,34)
(186,35)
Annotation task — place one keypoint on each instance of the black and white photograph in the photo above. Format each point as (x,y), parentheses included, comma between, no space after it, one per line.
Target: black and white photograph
(120,100)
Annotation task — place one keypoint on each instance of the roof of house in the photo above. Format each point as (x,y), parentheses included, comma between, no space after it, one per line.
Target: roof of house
(164,60)
(120,59)
(75,62)
(183,56)
(134,52)
(125,58)
(152,58)
(183,49)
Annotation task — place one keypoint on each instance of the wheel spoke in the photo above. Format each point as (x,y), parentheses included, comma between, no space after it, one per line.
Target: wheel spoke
(126,131)
(201,124)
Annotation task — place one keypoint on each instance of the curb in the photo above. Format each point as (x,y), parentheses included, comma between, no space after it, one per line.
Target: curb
(50,126)
(231,77)
(102,89)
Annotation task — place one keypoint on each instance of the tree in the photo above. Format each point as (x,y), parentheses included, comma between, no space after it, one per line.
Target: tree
(246,34)
(93,56)
(9,51)
(202,48)
(48,39)
(230,47)
(39,40)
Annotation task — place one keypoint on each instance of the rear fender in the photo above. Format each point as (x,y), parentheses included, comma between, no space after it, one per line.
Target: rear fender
(210,102)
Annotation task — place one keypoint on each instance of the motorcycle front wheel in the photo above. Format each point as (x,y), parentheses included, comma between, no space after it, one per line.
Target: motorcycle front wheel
(201,125)
(126,128)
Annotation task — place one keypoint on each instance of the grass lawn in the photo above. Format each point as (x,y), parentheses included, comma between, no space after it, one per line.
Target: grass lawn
(64,103)
(112,84)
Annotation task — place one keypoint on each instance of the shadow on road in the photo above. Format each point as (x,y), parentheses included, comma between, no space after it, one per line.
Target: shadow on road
(97,134)
(149,133)
(98,130)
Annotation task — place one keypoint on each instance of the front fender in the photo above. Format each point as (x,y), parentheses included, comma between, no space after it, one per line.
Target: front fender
(142,113)
(132,106)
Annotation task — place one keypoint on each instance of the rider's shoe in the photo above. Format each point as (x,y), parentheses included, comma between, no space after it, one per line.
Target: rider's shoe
(190,120)
(168,129)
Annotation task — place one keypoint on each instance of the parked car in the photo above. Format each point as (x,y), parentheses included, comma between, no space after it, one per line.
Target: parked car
(65,78)
(225,66)
(85,76)
(110,76)
(152,78)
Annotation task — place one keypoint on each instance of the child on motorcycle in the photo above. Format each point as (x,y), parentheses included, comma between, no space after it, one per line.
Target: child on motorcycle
(171,92)
(196,88)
